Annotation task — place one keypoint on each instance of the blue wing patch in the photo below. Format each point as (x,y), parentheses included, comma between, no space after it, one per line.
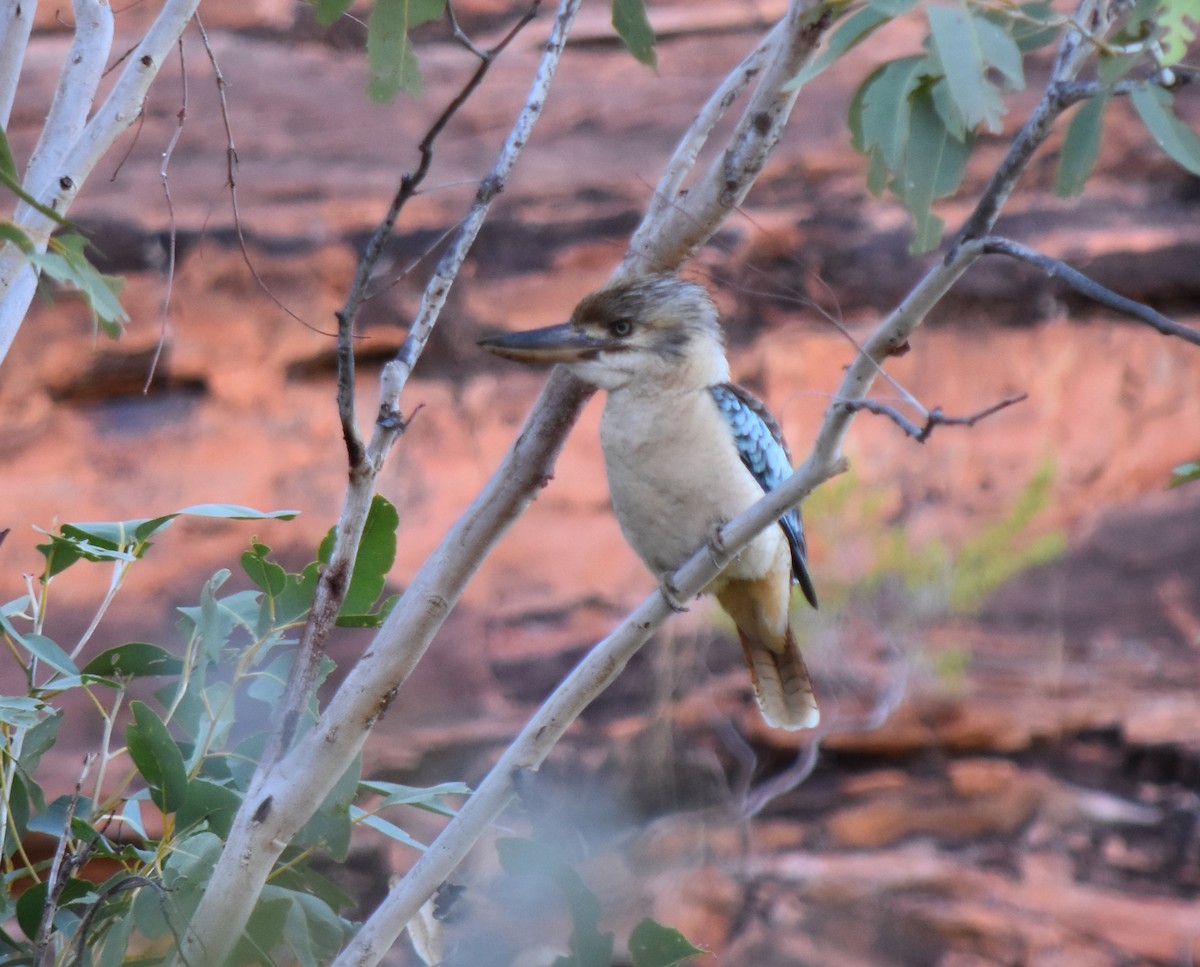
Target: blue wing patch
(761,447)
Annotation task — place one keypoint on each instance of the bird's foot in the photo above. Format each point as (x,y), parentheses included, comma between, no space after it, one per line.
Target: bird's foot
(718,553)
(670,593)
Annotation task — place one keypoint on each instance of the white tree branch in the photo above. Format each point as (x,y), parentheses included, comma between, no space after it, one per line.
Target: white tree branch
(78,152)
(73,97)
(16,21)
(678,223)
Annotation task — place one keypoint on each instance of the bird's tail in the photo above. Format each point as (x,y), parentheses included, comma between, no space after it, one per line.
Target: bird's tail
(781,683)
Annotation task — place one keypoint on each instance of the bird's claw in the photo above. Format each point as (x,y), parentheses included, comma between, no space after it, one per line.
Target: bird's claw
(717,551)
(670,593)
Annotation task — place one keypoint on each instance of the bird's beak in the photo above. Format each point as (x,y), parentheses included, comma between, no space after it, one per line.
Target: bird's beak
(564,343)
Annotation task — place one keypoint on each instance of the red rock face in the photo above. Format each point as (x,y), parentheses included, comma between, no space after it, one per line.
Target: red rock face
(1030,796)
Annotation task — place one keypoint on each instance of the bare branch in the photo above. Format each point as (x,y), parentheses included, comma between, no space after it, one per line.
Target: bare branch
(16,22)
(1055,269)
(172,235)
(934,418)
(678,223)
(365,462)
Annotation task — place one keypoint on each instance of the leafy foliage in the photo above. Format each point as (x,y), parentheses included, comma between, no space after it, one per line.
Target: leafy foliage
(917,118)
(188,755)
(64,260)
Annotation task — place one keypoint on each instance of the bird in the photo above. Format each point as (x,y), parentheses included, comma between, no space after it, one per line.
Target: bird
(687,450)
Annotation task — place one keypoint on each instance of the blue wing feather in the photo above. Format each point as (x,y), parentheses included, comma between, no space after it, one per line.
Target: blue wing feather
(762,449)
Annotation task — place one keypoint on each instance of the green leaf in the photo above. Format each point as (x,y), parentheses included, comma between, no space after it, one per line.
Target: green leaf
(1080,147)
(653,945)
(294,602)
(390,55)
(209,802)
(114,943)
(157,758)
(1178,19)
(376,554)
(381,825)
(428,797)
(1185,473)
(892,8)
(329,10)
(21,711)
(66,263)
(630,22)
(40,647)
(313,931)
(235,512)
(1155,107)
(934,163)
(1037,25)
(265,573)
(1000,51)
(8,165)
(32,903)
(39,740)
(964,53)
(848,34)
(880,111)
(373,619)
(330,825)
(134,659)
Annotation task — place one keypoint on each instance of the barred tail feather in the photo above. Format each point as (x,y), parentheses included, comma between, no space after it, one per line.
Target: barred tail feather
(781,683)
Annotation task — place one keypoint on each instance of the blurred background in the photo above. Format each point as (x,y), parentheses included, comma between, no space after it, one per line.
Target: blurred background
(1007,653)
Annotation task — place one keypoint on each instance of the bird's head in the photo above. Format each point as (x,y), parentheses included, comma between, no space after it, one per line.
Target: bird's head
(654,328)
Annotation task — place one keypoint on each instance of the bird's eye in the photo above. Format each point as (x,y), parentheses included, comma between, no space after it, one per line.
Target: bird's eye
(620,328)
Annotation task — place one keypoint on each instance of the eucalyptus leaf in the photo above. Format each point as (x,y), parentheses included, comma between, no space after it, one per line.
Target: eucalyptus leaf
(134,659)
(390,54)
(1080,147)
(157,758)
(933,168)
(653,945)
(959,48)
(1155,107)
(632,26)
(389,829)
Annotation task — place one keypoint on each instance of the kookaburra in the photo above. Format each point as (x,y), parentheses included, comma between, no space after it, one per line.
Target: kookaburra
(687,450)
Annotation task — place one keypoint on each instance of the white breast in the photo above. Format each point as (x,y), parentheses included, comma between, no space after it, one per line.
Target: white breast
(674,473)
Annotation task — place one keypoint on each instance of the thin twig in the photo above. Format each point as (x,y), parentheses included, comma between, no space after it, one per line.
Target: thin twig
(172,236)
(1056,269)
(934,418)
(231,165)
